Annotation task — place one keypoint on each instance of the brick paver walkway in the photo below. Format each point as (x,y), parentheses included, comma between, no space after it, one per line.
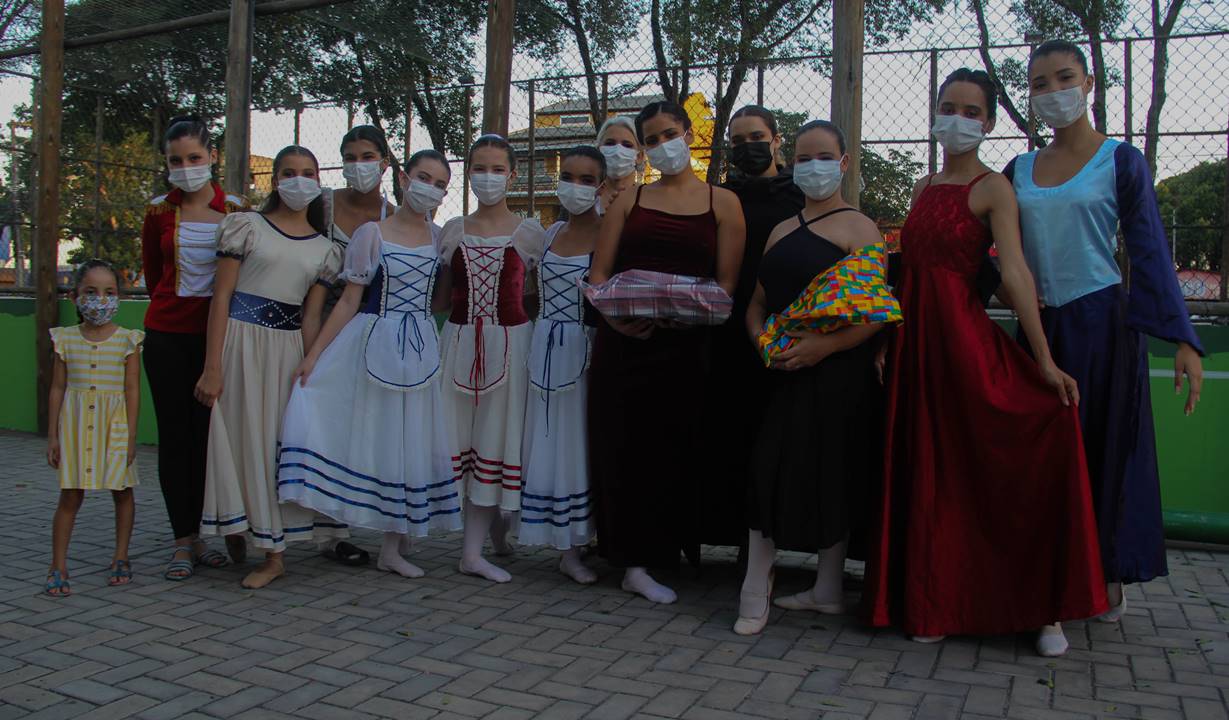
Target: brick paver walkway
(331,642)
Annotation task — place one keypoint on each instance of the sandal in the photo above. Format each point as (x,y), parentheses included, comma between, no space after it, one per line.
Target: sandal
(121,573)
(212,559)
(348,554)
(57,585)
(179,569)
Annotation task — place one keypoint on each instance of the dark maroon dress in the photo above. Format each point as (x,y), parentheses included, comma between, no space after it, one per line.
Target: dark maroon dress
(645,402)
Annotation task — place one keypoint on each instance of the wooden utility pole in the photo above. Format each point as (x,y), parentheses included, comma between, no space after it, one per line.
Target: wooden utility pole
(46,244)
(848,33)
(497,86)
(239,95)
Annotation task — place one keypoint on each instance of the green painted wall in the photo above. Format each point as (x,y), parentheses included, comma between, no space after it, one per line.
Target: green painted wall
(1193,452)
(18,406)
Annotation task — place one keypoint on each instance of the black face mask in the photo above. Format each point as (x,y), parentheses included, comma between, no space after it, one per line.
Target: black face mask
(752,158)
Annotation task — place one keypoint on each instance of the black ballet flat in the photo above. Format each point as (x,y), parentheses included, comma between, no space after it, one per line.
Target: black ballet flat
(348,554)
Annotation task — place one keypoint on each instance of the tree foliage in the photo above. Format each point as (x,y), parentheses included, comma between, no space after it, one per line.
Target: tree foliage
(1194,201)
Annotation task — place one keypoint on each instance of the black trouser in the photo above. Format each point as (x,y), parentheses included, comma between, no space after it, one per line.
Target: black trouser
(173,363)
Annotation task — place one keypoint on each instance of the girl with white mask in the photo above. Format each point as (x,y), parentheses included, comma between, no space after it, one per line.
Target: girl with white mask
(489,255)
(956,548)
(179,254)
(649,377)
(806,464)
(624,159)
(1076,194)
(365,439)
(365,159)
(273,270)
(556,506)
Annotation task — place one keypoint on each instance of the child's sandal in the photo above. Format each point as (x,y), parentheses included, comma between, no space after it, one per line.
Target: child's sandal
(57,585)
(178,568)
(121,573)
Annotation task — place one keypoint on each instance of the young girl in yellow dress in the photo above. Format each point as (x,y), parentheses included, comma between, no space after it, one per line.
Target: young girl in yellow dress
(92,420)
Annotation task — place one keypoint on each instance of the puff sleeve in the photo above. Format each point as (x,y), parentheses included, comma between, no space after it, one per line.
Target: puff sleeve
(237,235)
(135,339)
(529,239)
(362,255)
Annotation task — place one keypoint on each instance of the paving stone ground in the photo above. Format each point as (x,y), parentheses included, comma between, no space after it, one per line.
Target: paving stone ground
(332,643)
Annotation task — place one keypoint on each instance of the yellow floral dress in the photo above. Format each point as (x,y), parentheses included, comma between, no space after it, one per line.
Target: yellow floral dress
(94,416)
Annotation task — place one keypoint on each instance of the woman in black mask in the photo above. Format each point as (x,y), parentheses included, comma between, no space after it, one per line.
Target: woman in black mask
(768,195)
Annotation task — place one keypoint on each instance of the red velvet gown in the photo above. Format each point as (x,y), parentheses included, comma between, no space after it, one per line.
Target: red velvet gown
(985,525)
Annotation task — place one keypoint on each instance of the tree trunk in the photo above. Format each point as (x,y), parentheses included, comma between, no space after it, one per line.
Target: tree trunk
(659,53)
(1099,119)
(373,108)
(586,59)
(721,117)
(1160,66)
(983,49)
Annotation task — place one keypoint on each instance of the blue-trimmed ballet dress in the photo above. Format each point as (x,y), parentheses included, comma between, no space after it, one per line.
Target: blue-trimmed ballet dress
(1096,328)
(555,504)
(263,346)
(366,439)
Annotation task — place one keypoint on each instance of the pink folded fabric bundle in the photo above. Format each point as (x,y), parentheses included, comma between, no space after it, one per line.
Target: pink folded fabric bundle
(661,296)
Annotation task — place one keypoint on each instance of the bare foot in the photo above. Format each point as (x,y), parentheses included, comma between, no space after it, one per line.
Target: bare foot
(394,563)
(571,566)
(638,580)
(270,570)
(483,569)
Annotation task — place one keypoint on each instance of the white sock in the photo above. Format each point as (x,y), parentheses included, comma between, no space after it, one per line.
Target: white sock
(391,560)
(478,521)
(761,555)
(638,580)
(570,565)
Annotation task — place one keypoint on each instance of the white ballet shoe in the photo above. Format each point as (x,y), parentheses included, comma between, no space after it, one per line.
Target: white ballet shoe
(571,566)
(754,625)
(1052,641)
(928,639)
(806,601)
(1115,613)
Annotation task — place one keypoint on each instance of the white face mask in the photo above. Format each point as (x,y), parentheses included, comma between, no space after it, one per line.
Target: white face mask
(958,134)
(1061,107)
(575,198)
(363,176)
(423,198)
(671,157)
(818,179)
(298,192)
(620,160)
(489,188)
(190,178)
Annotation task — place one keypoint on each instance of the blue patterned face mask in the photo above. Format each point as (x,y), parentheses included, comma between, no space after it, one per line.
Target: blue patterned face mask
(98,309)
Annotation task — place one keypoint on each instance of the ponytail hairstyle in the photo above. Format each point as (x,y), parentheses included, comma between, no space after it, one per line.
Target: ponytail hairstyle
(588,151)
(371,134)
(827,127)
(428,154)
(84,269)
(193,126)
(981,80)
(763,113)
(496,141)
(661,107)
(1050,47)
(315,211)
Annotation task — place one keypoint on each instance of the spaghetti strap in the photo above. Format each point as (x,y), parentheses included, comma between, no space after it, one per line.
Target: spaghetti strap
(803,222)
(638,189)
(710,198)
(930,178)
(979,178)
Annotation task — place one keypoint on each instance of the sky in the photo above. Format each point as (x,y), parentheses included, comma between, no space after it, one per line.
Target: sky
(894,96)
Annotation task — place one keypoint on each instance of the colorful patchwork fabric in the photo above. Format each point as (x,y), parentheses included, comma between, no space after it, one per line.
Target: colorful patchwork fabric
(851,292)
(661,296)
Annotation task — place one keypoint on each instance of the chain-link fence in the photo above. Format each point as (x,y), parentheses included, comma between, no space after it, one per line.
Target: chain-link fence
(409,67)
